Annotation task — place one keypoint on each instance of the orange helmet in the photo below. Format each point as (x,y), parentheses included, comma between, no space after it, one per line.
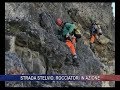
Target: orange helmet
(59,22)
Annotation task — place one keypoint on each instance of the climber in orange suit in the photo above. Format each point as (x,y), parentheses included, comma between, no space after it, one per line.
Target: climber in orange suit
(67,32)
(95,33)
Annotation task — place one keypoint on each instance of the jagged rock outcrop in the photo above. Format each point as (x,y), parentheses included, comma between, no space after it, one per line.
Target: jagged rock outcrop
(35,43)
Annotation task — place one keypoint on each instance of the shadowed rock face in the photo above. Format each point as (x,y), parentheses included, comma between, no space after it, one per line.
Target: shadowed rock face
(37,49)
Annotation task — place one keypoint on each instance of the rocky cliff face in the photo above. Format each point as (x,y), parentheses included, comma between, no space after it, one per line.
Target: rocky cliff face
(32,45)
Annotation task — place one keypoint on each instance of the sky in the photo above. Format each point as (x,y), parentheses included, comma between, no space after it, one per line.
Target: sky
(113,5)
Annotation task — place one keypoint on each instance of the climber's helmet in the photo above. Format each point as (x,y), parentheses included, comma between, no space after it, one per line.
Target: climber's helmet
(59,22)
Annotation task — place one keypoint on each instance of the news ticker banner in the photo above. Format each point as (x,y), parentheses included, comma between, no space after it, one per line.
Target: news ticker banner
(59,77)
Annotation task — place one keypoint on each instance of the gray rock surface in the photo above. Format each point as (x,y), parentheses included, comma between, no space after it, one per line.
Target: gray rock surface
(38,50)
